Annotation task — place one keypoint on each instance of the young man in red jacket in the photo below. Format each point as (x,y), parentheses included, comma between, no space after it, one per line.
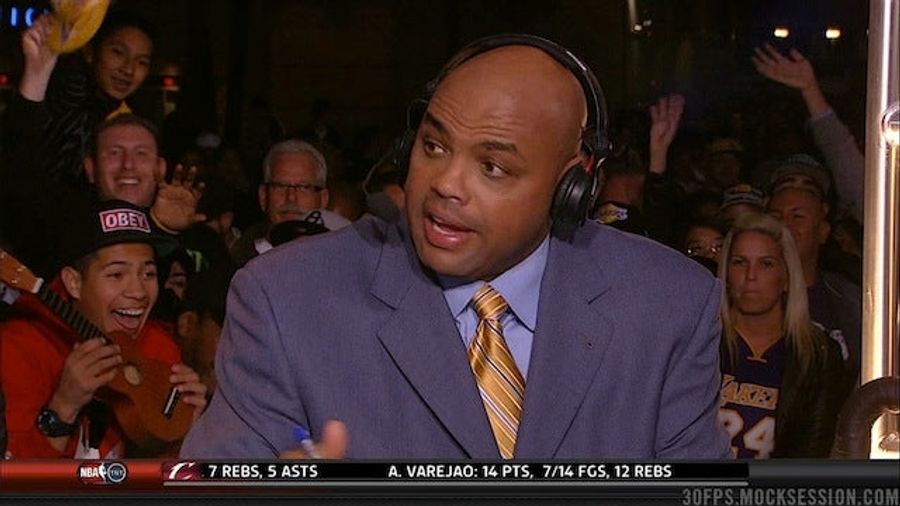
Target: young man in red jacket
(50,375)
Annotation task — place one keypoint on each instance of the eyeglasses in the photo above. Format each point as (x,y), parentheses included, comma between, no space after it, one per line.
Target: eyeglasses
(302,188)
(703,250)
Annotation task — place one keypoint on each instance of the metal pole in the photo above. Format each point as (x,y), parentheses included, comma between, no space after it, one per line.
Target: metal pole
(881,272)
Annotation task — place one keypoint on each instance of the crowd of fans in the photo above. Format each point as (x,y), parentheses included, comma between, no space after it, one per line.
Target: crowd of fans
(780,229)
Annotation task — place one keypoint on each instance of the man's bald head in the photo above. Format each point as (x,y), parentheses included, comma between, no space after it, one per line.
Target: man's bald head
(534,79)
(498,134)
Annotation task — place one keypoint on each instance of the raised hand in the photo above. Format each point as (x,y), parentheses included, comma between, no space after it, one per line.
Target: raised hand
(175,206)
(665,116)
(333,444)
(193,391)
(39,59)
(793,70)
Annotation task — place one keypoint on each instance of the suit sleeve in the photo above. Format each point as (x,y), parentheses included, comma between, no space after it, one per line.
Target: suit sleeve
(688,424)
(256,404)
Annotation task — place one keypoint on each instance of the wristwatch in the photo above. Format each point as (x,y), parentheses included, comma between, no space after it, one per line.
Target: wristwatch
(49,423)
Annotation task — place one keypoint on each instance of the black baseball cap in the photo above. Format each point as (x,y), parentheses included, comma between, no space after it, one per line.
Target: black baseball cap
(800,165)
(743,194)
(97,224)
(287,231)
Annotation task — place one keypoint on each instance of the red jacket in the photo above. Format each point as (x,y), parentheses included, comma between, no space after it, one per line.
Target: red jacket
(34,344)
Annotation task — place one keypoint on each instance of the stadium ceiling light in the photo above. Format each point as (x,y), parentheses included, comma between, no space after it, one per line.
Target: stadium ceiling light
(833,33)
(781,32)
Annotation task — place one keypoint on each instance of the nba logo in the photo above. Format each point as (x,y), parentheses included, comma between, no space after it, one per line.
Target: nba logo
(102,473)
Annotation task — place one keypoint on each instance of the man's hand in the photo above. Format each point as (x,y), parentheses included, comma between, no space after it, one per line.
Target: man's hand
(91,365)
(665,116)
(175,206)
(39,59)
(793,70)
(193,391)
(333,444)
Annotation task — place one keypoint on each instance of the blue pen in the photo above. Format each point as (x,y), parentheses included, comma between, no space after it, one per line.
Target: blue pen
(301,435)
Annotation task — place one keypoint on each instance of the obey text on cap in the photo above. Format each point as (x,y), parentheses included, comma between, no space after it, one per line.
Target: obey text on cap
(115,220)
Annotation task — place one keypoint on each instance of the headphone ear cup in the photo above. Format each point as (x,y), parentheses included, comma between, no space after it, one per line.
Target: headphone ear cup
(574,196)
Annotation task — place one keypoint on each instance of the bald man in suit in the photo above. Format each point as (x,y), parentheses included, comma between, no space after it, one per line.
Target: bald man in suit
(373,338)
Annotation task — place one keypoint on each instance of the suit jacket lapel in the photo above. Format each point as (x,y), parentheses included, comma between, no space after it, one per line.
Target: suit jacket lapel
(423,341)
(571,337)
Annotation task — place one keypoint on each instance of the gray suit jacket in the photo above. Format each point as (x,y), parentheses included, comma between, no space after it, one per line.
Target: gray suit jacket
(348,326)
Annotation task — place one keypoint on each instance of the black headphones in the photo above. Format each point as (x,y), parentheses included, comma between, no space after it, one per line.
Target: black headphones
(579,186)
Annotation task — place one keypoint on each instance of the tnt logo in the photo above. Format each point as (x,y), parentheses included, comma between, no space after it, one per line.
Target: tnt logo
(181,471)
(102,473)
(124,219)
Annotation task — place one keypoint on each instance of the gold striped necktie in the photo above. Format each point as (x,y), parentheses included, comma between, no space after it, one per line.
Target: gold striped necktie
(499,381)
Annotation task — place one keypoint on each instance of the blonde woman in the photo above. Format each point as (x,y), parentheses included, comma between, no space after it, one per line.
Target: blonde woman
(781,375)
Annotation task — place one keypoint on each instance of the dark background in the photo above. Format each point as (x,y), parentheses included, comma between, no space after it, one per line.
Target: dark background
(237,63)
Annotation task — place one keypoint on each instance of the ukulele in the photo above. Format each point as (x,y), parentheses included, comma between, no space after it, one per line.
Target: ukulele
(144,402)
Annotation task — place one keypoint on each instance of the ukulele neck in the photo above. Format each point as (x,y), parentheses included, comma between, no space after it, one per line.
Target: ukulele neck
(67,312)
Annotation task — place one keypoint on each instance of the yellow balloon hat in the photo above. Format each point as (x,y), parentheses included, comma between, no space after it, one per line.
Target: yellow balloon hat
(74,23)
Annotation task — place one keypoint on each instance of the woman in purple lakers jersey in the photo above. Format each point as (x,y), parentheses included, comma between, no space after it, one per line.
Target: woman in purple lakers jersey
(780,374)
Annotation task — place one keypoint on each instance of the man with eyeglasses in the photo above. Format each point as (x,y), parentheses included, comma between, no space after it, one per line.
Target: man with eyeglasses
(294,177)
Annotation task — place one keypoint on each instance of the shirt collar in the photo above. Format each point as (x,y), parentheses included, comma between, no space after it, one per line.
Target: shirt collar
(519,286)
